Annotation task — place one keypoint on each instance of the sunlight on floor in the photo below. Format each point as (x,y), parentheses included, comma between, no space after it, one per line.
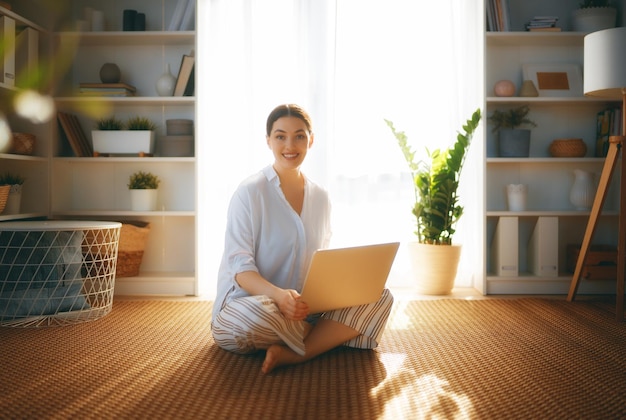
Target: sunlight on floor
(425,397)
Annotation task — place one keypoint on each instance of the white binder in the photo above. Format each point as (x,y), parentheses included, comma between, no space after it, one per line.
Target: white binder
(26,58)
(505,247)
(543,247)
(7,40)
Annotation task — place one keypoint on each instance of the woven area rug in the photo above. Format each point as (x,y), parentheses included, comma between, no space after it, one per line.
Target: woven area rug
(493,358)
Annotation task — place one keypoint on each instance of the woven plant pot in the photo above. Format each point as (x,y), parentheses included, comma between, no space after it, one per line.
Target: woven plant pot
(4,195)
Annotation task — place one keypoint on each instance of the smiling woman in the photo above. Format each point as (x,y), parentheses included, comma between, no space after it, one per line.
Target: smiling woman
(351,63)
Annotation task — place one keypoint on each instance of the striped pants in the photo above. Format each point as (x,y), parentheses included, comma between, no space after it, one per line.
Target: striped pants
(253,323)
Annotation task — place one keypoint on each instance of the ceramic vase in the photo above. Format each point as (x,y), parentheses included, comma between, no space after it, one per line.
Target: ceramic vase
(516,196)
(143,200)
(165,84)
(583,190)
(434,267)
(514,142)
(110,73)
(528,89)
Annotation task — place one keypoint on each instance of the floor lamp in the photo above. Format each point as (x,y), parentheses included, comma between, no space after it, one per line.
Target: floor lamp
(605,77)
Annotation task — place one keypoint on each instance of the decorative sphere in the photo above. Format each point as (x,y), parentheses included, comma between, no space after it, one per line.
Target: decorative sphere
(110,73)
(504,88)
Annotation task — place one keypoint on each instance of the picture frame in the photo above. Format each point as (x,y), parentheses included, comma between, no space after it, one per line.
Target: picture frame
(555,79)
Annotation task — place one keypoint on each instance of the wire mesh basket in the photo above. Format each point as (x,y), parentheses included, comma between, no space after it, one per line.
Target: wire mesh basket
(56,272)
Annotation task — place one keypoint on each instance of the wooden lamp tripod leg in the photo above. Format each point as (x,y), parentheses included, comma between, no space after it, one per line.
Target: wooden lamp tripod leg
(615,146)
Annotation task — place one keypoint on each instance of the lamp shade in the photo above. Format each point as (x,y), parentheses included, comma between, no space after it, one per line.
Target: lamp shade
(605,63)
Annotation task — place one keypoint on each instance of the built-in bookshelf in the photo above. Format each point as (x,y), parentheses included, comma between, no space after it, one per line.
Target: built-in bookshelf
(549,211)
(95,188)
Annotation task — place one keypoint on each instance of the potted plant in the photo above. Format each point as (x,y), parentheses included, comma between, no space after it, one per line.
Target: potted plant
(594,15)
(512,140)
(437,210)
(14,200)
(112,136)
(143,188)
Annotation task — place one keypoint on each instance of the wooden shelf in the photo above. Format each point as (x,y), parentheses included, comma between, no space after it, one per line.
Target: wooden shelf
(130,39)
(133,100)
(124,213)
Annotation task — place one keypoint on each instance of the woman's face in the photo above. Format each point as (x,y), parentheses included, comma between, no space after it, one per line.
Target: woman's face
(290,141)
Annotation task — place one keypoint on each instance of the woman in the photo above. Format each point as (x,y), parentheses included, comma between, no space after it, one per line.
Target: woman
(277,218)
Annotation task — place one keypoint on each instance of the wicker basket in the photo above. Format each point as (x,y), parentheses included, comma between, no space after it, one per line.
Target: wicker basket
(133,237)
(23,144)
(4,195)
(568,148)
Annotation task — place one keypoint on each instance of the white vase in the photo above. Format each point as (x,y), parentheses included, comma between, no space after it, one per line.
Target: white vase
(143,200)
(434,267)
(14,200)
(165,84)
(516,195)
(583,190)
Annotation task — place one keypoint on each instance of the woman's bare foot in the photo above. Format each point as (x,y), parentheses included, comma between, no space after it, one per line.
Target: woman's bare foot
(278,355)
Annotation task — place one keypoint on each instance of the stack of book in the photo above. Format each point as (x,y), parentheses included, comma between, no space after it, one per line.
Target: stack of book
(609,123)
(107,89)
(543,24)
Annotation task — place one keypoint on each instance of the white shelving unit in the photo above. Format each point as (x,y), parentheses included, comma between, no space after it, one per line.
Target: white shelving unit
(96,188)
(35,168)
(549,179)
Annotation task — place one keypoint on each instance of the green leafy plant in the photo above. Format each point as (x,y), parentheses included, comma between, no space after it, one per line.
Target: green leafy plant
(435,184)
(512,118)
(140,123)
(9,178)
(141,180)
(109,124)
(586,4)
(133,123)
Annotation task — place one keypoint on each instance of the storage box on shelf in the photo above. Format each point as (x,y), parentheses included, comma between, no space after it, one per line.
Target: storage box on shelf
(548,179)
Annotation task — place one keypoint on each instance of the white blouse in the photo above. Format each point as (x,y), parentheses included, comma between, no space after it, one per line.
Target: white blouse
(265,234)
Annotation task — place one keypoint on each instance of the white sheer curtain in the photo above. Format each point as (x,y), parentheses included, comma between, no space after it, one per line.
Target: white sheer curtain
(351,63)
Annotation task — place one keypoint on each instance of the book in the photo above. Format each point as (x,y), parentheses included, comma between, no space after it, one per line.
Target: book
(27,58)
(7,40)
(505,247)
(543,247)
(107,93)
(550,29)
(107,86)
(184,75)
(74,134)
(179,12)
(191,83)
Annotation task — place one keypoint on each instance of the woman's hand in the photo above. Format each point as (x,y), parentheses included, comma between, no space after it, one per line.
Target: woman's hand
(287,300)
(290,305)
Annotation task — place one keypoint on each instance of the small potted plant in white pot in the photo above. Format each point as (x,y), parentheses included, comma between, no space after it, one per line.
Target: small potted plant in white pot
(513,141)
(143,188)
(434,257)
(135,137)
(14,200)
(594,15)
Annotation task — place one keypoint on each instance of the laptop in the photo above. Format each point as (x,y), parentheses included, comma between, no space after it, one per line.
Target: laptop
(344,277)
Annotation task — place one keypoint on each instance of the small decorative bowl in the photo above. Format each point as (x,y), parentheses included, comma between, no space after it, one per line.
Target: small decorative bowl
(568,148)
